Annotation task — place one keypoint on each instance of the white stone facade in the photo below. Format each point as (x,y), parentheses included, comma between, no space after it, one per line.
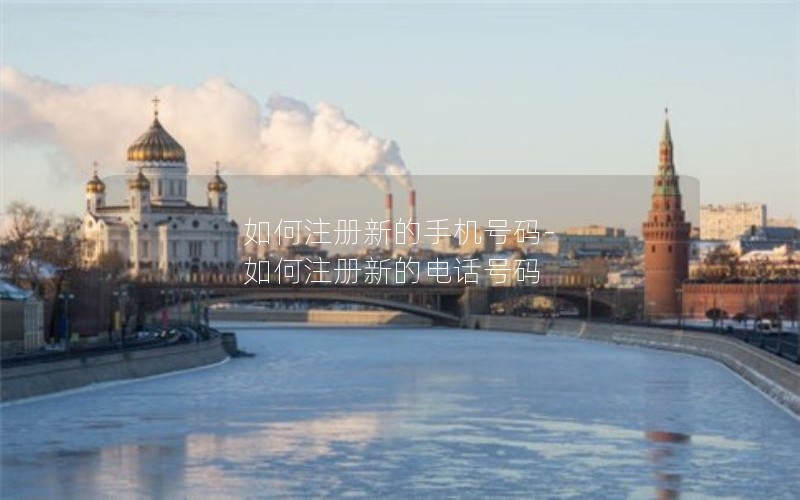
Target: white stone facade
(156,231)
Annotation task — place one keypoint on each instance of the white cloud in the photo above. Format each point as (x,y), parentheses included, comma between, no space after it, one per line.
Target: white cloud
(213,121)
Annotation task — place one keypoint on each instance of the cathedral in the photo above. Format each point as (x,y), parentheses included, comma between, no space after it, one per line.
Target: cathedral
(155,229)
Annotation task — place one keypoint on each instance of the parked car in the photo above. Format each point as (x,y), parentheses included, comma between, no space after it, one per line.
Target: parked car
(768,326)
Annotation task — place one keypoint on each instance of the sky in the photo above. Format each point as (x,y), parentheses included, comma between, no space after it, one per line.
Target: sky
(526,88)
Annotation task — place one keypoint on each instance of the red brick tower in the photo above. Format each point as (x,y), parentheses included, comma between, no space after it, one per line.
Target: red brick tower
(666,238)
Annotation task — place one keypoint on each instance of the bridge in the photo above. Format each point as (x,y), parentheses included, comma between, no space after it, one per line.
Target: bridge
(443,304)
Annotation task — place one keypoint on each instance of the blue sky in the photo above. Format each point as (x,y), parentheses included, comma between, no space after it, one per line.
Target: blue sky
(530,88)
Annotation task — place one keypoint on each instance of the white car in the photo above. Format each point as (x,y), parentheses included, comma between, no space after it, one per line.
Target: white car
(768,326)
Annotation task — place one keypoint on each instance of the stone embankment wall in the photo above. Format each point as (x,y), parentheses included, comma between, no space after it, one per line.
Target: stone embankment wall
(321,316)
(775,376)
(48,377)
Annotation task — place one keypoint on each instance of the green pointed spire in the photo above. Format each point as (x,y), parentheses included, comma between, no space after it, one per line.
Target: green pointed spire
(666,181)
(666,136)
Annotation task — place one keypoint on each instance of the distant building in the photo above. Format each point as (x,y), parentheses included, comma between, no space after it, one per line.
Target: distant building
(471,240)
(778,255)
(594,230)
(726,222)
(625,278)
(446,245)
(781,222)
(478,240)
(21,321)
(586,246)
(699,249)
(766,239)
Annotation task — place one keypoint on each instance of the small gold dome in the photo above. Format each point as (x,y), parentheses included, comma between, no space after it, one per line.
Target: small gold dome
(95,184)
(217,183)
(156,145)
(139,182)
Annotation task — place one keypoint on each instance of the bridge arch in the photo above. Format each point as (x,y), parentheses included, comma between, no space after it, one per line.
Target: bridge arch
(393,305)
(606,303)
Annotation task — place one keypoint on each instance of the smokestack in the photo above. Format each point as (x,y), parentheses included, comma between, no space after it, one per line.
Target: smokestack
(390,222)
(412,217)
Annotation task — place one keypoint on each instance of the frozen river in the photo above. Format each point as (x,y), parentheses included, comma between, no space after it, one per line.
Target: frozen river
(410,413)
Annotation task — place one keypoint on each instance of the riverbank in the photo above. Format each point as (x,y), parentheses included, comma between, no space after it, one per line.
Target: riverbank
(774,376)
(38,379)
(320,317)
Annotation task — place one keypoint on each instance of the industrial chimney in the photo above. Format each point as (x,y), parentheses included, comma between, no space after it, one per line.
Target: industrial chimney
(390,223)
(412,217)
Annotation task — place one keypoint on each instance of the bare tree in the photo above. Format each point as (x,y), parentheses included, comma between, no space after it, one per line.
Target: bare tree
(112,263)
(721,263)
(23,244)
(37,247)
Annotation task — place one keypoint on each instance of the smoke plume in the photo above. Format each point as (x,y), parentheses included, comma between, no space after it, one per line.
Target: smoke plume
(213,121)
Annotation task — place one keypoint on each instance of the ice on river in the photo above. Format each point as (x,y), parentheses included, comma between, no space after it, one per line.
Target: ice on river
(392,412)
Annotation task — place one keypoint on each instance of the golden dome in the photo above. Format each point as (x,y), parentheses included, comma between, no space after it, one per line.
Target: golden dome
(217,183)
(139,182)
(156,145)
(95,184)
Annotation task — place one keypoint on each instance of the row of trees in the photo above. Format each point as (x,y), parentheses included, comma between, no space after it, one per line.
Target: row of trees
(38,248)
(787,309)
(41,252)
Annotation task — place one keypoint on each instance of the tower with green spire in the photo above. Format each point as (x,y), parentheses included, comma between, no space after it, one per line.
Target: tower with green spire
(666,237)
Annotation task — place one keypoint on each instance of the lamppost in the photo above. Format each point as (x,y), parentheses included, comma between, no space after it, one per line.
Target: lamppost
(179,302)
(679,292)
(65,326)
(194,316)
(119,295)
(166,294)
(589,303)
(204,296)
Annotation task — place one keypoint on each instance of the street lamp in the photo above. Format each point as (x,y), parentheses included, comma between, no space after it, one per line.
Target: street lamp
(179,302)
(194,316)
(204,296)
(121,316)
(65,326)
(679,291)
(589,303)
(166,294)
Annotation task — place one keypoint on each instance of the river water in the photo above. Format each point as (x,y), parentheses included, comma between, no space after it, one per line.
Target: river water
(410,413)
